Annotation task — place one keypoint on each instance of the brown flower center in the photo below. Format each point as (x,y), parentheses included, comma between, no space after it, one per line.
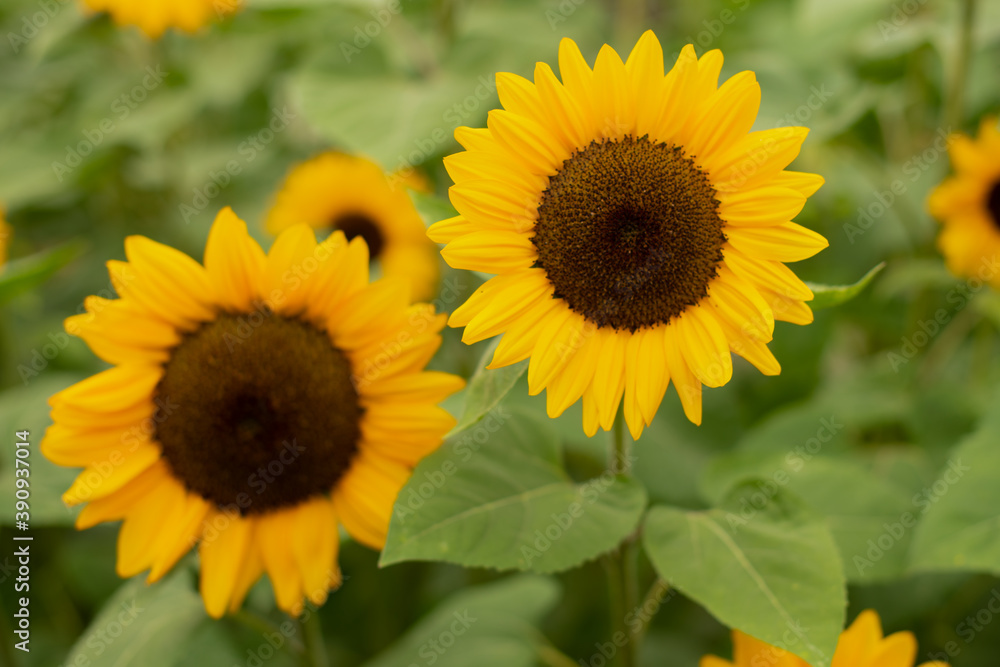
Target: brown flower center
(629,233)
(993,203)
(264,413)
(359,224)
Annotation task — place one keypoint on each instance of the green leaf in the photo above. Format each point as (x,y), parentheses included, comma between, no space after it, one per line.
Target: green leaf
(827,296)
(487,387)
(498,497)
(487,626)
(770,570)
(26,408)
(398,122)
(874,508)
(960,526)
(141,624)
(26,273)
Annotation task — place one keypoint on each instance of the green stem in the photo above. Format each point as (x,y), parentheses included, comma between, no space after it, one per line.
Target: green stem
(656,593)
(315,646)
(956,91)
(621,564)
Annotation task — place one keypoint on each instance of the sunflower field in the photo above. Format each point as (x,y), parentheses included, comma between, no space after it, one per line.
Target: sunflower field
(500,333)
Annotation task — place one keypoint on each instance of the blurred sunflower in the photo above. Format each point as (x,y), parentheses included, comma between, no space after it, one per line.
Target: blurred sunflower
(861,645)
(256,403)
(638,228)
(968,203)
(153,17)
(350,193)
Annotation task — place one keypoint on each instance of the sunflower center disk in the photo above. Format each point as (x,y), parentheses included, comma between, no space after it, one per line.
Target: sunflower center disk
(359,224)
(629,233)
(261,412)
(993,203)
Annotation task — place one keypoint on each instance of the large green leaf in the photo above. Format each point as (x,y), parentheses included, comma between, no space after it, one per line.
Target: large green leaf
(498,497)
(164,625)
(875,511)
(764,566)
(487,387)
(960,529)
(827,296)
(486,626)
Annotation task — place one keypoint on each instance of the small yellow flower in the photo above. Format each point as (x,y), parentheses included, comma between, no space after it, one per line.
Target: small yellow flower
(256,403)
(350,193)
(638,228)
(861,645)
(153,17)
(968,203)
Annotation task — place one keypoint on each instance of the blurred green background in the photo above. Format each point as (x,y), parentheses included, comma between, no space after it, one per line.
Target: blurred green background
(104,133)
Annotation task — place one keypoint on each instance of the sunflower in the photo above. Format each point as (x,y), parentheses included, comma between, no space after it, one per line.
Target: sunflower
(637,227)
(153,17)
(350,193)
(968,203)
(861,645)
(255,404)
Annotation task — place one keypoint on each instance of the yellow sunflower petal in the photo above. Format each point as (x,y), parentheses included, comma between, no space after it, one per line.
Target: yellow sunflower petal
(364,498)
(234,261)
(226,543)
(788,242)
(315,542)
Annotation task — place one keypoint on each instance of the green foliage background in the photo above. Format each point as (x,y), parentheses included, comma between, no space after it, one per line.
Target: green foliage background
(869,77)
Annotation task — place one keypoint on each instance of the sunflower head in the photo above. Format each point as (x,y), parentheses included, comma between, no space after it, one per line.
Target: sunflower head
(968,204)
(256,403)
(336,191)
(638,230)
(154,17)
(860,645)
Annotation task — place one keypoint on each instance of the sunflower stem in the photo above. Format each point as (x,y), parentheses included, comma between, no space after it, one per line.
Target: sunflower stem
(956,91)
(312,632)
(623,585)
